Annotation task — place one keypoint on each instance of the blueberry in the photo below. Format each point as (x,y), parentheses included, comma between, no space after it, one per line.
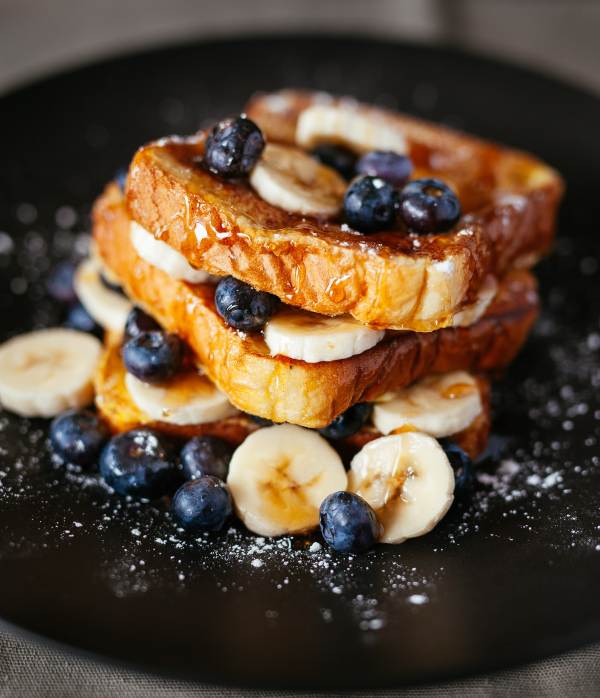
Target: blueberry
(370,204)
(394,168)
(428,206)
(348,524)
(462,465)
(206,455)
(242,306)
(202,505)
(233,147)
(60,282)
(139,463)
(349,422)
(137,322)
(337,157)
(121,178)
(153,357)
(111,285)
(78,436)
(78,318)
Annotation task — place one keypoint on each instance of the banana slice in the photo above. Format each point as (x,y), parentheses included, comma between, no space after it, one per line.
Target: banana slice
(408,481)
(312,338)
(290,179)
(189,398)
(46,372)
(108,308)
(437,405)
(355,127)
(280,475)
(472,313)
(160,255)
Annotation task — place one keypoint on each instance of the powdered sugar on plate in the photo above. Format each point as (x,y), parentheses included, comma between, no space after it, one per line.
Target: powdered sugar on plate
(543,452)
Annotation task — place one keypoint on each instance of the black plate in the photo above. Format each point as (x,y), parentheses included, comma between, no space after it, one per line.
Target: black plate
(511,575)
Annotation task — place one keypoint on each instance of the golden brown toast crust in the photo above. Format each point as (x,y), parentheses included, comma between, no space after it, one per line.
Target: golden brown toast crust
(285,390)
(389,280)
(122,414)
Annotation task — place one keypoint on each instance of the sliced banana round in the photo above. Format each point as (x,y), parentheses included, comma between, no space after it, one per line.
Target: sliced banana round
(408,481)
(45,372)
(356,127)
(189,398)
(292,180)
(438,405)
(108,308)
(162,256)
(474,312)
(280,475)
(312,338)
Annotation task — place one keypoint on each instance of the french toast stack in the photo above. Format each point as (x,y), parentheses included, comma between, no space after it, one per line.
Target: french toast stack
(354,275)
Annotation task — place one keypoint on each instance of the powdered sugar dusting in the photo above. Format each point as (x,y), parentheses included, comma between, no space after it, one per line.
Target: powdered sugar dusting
(518,483)
(542,456)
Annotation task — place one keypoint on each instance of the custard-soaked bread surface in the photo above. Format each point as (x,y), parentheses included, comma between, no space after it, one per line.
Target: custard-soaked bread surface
(287,390)
(387,280)
(122,414)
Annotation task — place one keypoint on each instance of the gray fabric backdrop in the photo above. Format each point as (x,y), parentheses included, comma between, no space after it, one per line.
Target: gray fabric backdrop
(34,670)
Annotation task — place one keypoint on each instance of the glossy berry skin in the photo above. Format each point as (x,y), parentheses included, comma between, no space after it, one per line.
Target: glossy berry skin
(206,455)
(428,206)
(370,204)
(78,436)
(349,422)
(243,307)
(337,157)
(153,357)
(137,322)
(139,463)
(60,283)
(78,318)
(121,178)
(233,147)
(392,167)
(202,505)
(348,524)
(461,464)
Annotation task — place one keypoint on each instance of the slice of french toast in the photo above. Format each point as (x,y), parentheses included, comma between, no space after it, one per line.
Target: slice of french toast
(288,390)
(122,414)
(390,280)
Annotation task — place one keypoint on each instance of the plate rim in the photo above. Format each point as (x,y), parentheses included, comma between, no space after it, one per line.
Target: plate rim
(112,58)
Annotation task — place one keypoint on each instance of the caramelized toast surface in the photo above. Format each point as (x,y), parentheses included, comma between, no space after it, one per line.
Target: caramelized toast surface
(388,280)
(286,390)
(122,414)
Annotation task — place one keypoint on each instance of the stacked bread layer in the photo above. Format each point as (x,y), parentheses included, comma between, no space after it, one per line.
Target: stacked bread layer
(286,390)
(429,305)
